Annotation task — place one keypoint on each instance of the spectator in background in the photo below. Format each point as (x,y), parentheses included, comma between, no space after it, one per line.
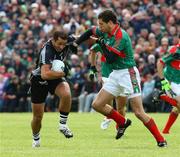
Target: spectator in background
(71,27)
(88,94)
(152,41)
(24,105)
(10,95)
(2,84)
(147,93)
(26,22)
(51,103)
(77,80)
(150,67)
(162,49)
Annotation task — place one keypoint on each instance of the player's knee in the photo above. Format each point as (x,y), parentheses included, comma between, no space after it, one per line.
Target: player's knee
(95,105)
(138,114)
(122,112)
(37,118)
(178,106)
(175,110)
(66,96)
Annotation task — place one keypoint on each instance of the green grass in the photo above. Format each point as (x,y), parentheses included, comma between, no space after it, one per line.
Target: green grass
(89,140)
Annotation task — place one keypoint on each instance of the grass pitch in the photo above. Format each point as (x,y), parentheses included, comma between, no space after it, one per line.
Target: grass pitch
(88,141)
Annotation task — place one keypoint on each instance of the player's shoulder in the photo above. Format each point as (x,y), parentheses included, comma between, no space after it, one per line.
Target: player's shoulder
(173,49)
(97,32)
(47,44)
(47,47)
(124,33)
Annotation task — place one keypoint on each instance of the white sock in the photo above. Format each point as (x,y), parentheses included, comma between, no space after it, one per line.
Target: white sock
(36,137)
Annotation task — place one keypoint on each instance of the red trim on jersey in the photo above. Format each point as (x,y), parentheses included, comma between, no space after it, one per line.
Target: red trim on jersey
(173,50)
(114,30)
(103,58)
(119,53)
(176,64)
(118,34)
(162,61)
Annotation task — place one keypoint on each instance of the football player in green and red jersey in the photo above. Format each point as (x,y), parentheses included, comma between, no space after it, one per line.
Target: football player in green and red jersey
(104,73)
(124,78)
(169,72)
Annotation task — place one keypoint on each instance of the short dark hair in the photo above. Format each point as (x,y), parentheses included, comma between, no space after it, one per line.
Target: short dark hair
(108,15)
(60,34)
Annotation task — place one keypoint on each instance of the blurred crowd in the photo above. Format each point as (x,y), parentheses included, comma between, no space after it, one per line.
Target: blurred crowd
(153,26)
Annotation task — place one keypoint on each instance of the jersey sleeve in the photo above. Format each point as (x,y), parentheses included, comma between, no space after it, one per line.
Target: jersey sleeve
(117,47)
(167,58)
(97,32)
(96,48)
(46,55)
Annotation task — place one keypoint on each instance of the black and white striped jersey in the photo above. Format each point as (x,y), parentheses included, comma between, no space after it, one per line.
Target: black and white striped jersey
(48,53)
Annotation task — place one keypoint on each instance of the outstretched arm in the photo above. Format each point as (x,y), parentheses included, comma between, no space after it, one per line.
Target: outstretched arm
(85,36)
(72,46)
(160,66)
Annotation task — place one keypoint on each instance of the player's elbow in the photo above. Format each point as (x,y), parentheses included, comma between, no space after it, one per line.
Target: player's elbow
(45,72)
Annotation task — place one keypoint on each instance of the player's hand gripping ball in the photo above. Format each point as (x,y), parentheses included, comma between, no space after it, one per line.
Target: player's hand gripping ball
(58,65)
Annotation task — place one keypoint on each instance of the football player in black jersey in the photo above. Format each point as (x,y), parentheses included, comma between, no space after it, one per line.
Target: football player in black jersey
(44,80)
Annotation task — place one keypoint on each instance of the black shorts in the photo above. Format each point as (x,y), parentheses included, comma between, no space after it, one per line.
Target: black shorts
(40,88)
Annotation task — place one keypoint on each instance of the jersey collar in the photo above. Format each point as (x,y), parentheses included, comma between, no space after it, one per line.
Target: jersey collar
(113,32)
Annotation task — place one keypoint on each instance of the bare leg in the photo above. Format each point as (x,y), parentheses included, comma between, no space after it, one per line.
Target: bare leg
(136,104)
(38,110)
(172,118)
(100,104)
(106,121)
(137,107)
(63,91)
(121,102)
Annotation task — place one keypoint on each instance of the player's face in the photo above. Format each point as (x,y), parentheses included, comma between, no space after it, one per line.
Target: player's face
(104,27)
(59,44)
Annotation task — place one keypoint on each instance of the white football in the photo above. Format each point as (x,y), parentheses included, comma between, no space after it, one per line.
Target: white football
(58,65)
